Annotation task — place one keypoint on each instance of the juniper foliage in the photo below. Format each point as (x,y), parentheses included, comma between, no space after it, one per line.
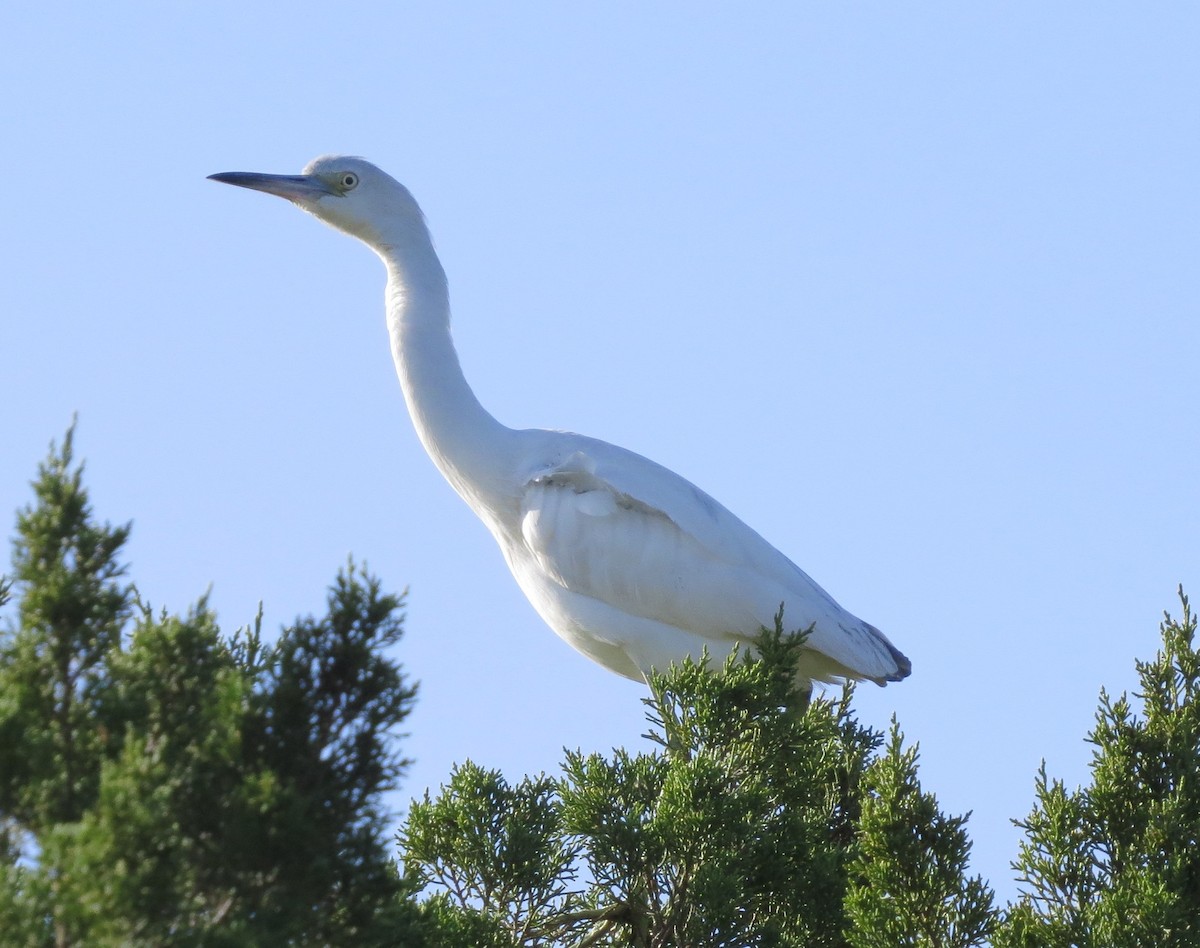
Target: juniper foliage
(163,783)
(1116,864)
(756,817)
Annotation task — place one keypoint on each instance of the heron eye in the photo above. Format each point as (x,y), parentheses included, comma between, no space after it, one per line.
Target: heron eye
(349,180)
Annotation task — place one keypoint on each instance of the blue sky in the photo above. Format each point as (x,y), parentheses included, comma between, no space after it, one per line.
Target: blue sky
(912,290)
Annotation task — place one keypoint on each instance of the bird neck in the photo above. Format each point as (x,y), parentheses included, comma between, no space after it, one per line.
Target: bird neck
(473,451)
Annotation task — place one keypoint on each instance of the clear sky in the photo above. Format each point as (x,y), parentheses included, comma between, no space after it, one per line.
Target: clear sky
(910,288)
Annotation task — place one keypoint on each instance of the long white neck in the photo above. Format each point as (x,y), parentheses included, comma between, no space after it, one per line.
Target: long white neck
(474,452)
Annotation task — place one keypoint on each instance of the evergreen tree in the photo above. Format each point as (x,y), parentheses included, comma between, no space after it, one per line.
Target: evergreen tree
(164,783)
(908,877)
(758,818)
(1117,864)
(161,783)
(72,608)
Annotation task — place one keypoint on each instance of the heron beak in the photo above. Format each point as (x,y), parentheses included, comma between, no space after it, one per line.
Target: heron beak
(294,187)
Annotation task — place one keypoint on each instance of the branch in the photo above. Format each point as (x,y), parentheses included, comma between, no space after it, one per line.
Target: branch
(605,917)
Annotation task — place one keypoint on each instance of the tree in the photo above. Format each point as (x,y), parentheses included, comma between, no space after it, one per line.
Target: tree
(72,608)
(163,783)
(758,818)
(908,882)
(762,819)
(1117,863)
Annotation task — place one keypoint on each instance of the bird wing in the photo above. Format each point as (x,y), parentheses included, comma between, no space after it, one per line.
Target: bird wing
(610,524)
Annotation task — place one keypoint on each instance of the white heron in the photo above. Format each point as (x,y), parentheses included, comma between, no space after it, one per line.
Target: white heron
(624,559)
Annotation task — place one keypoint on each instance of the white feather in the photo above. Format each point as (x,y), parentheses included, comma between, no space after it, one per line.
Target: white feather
(624,559)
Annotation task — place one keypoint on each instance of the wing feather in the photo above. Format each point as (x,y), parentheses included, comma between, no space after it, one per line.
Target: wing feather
(609,524)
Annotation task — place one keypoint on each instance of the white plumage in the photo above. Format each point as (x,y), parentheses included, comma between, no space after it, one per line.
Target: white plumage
(627,561)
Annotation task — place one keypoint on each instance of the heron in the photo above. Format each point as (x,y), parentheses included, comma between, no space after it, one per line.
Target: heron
(627,561)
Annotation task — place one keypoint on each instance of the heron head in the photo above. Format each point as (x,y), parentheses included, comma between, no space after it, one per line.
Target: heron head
(347,193)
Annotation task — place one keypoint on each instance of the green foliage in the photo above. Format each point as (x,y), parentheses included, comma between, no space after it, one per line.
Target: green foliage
(1118,863)
(72,608)
(740,827)
(909,872)
(163,783)
(759,817)
(498,851)
(320,737)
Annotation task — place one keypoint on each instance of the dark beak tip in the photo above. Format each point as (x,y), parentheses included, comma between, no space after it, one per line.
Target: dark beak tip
(229,177)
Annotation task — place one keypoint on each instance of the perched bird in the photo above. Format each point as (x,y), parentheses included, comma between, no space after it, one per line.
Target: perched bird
(624,559)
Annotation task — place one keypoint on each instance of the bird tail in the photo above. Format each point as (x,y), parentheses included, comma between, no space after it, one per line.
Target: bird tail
(903,665)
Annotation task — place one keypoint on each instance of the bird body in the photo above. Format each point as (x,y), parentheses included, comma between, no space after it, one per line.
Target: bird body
(627,561)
